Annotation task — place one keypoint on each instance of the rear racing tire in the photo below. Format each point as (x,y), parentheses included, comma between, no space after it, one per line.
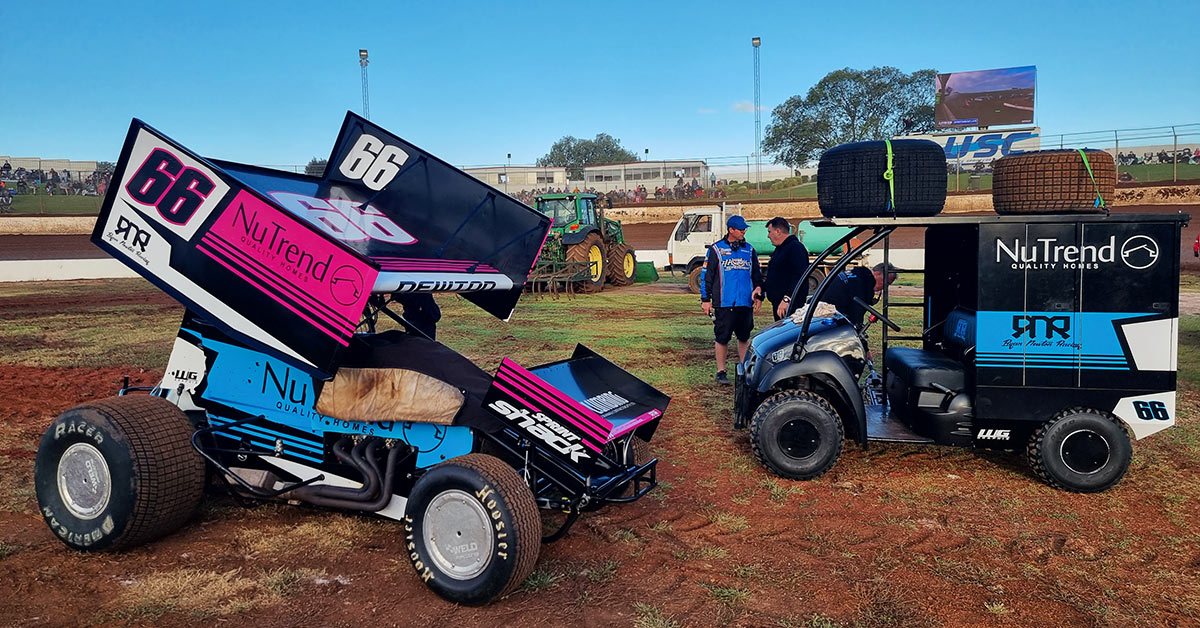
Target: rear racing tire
(472,529)
(622,264)
(851,184)
(590,251)
(696,279)
(1052,182)
(796,434)
(1080,450)
(117,473)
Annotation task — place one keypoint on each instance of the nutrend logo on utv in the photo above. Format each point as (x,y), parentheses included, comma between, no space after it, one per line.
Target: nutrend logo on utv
(280,386)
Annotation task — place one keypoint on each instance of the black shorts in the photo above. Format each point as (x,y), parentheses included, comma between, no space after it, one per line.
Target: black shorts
(733,320)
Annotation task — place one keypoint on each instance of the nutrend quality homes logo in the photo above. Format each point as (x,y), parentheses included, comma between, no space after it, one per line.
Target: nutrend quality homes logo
(291,263)
(1138,252)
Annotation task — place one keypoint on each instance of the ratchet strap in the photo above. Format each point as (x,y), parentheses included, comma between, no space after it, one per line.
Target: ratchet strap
(1099,199)
(889,175)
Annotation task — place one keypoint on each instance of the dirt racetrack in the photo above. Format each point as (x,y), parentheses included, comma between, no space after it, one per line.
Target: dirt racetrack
(892,536)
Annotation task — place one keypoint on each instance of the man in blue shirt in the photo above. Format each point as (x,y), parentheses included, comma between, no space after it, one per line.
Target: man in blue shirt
(730,292)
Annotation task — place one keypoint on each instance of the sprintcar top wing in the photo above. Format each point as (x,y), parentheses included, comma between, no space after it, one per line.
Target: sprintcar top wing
(221,248)
(428,225)
(287,262)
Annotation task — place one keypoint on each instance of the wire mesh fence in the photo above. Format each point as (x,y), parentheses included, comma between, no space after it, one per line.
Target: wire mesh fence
(1143,156)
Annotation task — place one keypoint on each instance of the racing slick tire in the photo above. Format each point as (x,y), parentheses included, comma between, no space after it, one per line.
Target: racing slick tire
(796,434)
(851,183)
(696,279)
(1080,450)
(472,529)
(622,264)
(636,453)
(1052,182)
(117,473)
(591,251)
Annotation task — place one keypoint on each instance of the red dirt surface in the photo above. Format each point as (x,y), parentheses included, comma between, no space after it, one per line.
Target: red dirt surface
(916,536)
(892,536)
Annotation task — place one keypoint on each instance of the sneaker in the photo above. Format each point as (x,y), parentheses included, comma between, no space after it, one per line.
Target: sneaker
(722,378)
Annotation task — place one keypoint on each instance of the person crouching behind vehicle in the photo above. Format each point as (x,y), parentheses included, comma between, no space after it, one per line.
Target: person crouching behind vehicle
(785,268)
(861,283)
(730,292)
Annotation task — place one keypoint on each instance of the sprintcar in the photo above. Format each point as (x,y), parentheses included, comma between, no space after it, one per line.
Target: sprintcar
(282,386)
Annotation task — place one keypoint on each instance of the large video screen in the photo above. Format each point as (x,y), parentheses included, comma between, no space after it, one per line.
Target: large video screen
(985,97)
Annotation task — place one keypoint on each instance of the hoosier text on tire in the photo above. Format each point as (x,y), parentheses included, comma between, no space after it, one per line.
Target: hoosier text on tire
(472,529)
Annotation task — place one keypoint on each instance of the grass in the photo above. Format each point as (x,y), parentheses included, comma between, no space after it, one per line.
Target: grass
(328,535)
(207,593)
(57,204)
(729,596)
(649,616)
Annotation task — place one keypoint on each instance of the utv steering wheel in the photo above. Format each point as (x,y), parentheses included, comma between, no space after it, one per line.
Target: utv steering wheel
(877,314)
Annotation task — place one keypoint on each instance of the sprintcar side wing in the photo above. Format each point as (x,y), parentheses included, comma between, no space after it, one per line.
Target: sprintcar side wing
(576,407)
(224,250)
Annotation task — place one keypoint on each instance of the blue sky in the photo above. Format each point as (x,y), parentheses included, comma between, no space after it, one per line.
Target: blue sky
(269,82)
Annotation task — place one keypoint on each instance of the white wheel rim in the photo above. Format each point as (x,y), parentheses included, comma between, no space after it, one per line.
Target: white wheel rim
(458,534)
(84,482)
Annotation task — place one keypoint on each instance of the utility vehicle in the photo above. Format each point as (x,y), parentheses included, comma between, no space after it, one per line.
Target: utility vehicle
(1052,334)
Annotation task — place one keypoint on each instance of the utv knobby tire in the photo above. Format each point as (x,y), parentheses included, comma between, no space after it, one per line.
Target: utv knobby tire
(796,434)
(589,251)
(1052,182)
(622,264)
(850,181)
(117,473)
(696,280)
(1058,451)
(510,519)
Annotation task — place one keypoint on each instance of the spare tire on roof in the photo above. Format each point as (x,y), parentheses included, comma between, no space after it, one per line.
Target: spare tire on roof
(1053,182)
(851,182)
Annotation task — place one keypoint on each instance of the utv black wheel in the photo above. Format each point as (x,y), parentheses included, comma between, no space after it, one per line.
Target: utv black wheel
(1080,450)
(472,529)
(796,434)
(118,473)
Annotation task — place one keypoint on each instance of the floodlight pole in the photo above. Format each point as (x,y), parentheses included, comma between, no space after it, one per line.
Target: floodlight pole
(757,120)
(362,62)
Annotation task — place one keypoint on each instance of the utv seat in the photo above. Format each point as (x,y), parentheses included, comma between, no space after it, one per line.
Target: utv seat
(921,383)
(922,368)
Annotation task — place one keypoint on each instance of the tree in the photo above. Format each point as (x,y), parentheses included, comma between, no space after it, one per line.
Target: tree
(849,106)
(105,167)
(315,167)
(574,154)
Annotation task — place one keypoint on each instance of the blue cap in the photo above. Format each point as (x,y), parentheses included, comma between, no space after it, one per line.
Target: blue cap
(737,222)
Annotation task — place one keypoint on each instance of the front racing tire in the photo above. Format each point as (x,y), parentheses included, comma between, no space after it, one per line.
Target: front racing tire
(796,434)
(118,473)
(1080,450)
(472,529)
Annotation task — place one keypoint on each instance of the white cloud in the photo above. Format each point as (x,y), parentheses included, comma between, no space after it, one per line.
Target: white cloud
(706,111)
(745,106)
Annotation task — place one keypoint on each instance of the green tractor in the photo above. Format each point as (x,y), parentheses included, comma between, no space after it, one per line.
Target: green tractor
(583,247)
